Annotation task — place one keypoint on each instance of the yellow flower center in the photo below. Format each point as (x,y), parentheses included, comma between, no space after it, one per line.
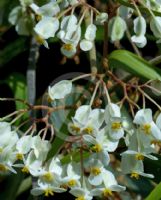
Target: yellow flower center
(19,156)
(48,192)
(147,128)
(25,169)
(96,148)
(48,177)
(134,175)
(72,183)
(95,171)
(139,156)
(38,17)
(107,192)
(88,130)
(80,198)
(116,126)
(68,47)
(3,168)
(75,128)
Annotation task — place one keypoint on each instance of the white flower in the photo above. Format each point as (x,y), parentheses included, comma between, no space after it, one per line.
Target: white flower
(40,147)
(86,120)
(73,175)
(47,10)
(114,121)
(14,15)
(144,118)
(60,89)
(101,18)
(86,45)
(69,23)
(112,110)
(140,40)
(90,34)
(140,30)
(68,50)
(101,145)
(7,160)
(130,165)
(70,32)
(97,172)
(81,193)
(31,164)
(155,25)
(46,189)
(109,185)
(47,27)
(5,136)
(23,146)
(117,27)
(51,172)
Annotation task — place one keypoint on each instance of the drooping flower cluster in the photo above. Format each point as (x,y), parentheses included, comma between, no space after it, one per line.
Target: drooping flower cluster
(27,151)
(59,19)
(95,134)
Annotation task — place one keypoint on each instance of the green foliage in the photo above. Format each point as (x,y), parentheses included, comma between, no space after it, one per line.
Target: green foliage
(133,64)
(155,194)
(11,185)
(12,50)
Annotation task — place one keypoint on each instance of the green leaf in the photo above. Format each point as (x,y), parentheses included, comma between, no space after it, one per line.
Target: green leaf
(155,194)
(17,83)
(12,50)
(133,64)
(25,185)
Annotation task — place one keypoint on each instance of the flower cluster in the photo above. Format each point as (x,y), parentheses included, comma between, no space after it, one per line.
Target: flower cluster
(95,134)
(50,20)
(59,19)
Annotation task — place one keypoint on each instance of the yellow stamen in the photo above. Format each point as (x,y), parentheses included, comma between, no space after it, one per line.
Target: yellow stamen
(96,148)
(75,128)
(48,192)
(80,198)
(134,175)
(25,170)
(116,126)
(3,168)
(107,192)
(38,17)
(19,156)
(139,156)
(147,128)
(68,47)
(49,99)
(72,183)
(88,130)
(95,171)
(48,177)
